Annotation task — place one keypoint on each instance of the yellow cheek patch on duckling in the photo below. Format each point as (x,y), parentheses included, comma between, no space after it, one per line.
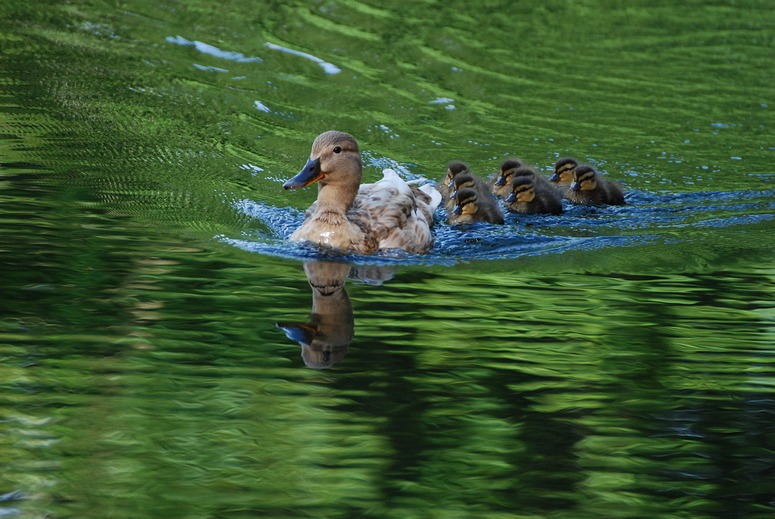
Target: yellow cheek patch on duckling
(525,195)
(566,174)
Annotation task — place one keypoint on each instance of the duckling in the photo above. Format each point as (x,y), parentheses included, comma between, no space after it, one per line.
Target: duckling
(526,171)
(472,208)
(453,170)
(502,179)
(589,188)
(527,198)
(563,172)
(348,216)
(463,180)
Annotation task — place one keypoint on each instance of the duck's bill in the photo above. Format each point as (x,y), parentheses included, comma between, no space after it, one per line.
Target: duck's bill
(554,178)
(311,173)
(501,181)
(457,210)
(512,198)
(575,186)
(300,333)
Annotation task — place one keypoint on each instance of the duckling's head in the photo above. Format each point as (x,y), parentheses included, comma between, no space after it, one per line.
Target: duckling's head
(522,190)
(525,171)
(453,170)
(506,172)
(584,179)
(335,159)
(467,202)
(461,181)
(563,170)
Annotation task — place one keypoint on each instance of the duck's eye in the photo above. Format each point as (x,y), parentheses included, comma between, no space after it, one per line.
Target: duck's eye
(337,149)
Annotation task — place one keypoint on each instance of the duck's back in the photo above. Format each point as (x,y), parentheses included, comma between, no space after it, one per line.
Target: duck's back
(549,200)
(395,215)
(605,193)
(613,193)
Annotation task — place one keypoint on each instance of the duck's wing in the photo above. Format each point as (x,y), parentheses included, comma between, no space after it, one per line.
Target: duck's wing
(395,213)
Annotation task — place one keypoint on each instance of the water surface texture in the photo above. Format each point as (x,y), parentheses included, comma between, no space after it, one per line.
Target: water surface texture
(155,321)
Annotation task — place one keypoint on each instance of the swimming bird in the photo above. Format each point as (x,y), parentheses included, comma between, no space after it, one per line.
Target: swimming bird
(473,208)
(526,171)
(563,172)
(366,218)
(502,179)
(453,169)
(528,198)
(470,180)
(588,188)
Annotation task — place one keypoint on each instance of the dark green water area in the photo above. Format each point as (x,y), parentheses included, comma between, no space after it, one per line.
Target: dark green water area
(606,362)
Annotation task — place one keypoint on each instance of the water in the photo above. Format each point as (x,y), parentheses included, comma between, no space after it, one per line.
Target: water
(154,326)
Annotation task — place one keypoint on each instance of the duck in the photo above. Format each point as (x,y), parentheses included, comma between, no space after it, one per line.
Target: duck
(473,208)
(502,179)
(464,180)
(563,172)
(588,188)
(364,218)
(453,169)
(528,198)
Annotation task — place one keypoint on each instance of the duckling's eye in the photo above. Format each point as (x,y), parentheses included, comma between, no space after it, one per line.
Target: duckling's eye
(337,149)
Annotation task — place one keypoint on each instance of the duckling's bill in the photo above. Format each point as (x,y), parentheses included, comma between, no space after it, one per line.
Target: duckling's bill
(309,174)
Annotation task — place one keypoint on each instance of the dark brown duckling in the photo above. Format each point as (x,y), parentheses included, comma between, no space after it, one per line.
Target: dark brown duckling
(473,208)
(469,180)
(502,179)
(538,179)
(588,188)
(563,172)
(444,186)
(527,198)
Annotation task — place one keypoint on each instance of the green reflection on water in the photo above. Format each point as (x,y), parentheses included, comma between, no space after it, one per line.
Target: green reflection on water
(144,376)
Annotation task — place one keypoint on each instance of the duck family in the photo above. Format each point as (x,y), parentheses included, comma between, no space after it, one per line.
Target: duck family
(394,214)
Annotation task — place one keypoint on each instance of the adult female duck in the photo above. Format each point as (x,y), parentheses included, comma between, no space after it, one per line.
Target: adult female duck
(389,214)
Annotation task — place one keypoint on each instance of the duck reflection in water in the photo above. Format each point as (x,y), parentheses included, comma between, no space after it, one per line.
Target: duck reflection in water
(326,337)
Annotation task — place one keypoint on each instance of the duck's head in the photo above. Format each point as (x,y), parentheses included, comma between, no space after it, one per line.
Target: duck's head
(522,190)
(467,202)
(563,170)
(335,159)
(506,171)
(453,170)
(461,181)
(584,179)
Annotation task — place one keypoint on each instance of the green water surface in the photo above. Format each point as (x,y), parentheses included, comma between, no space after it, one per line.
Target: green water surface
(609,362)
